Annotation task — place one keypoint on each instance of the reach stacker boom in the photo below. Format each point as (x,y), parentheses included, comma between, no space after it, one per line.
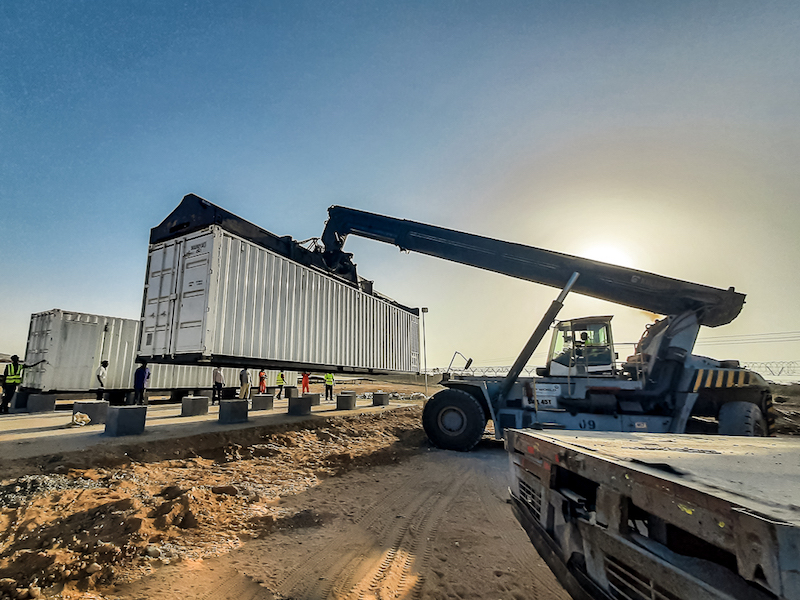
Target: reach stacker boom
(662,387)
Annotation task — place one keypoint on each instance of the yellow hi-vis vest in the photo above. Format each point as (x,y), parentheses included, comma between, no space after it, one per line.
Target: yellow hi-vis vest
(280,379)
(14,375)
(328,379)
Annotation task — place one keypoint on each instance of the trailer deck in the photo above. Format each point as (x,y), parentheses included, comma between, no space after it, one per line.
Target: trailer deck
(674,517)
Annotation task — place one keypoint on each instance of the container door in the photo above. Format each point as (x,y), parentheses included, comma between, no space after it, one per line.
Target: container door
(189,323)
(160,298)
(40,347)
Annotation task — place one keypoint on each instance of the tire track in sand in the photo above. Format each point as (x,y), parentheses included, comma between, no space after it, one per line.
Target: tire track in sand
(374,557)
(498,512)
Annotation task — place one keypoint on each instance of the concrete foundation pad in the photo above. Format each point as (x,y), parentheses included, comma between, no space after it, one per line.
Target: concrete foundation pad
(314,398)
(96,410)
(345,402)
(263,402)
(291,391)
(300,407)
(191,406)
(233,411)
(125,420)
(19,402)
(38,403)
(380,399)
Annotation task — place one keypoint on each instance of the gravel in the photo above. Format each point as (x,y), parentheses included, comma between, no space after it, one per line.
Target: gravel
(24,489)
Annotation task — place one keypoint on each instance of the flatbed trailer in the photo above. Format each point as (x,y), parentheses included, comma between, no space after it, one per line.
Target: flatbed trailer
(634,516)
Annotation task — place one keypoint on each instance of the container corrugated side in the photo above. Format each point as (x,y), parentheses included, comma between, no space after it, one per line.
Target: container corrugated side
(213,294)
(74,343)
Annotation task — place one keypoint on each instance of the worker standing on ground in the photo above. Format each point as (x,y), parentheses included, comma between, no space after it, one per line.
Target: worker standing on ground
(305,387)
(141,379)
(219,383)
(281,382)
(244,381)
(100,375)
(12,378)
(329,386)
(262,381)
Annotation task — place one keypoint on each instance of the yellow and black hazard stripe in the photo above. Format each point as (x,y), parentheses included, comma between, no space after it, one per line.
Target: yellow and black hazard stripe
(770,417)
(722,378)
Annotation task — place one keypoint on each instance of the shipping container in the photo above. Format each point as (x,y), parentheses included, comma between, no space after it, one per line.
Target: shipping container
(74,343)
(220,290)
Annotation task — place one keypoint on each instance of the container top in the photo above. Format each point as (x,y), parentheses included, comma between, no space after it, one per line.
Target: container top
(74,314)
(195,213)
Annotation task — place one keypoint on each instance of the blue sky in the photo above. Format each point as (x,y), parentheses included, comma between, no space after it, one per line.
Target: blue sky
(664,135)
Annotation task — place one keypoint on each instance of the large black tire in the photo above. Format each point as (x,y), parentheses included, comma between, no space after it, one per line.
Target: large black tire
(741,418)
(453,420)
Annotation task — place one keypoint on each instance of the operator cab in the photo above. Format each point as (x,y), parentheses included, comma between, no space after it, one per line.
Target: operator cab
(582,348)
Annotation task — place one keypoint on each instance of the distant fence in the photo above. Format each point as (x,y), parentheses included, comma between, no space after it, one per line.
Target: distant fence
(778,368)
(484,371)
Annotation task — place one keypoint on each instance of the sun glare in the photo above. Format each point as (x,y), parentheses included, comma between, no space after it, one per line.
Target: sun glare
(609,253)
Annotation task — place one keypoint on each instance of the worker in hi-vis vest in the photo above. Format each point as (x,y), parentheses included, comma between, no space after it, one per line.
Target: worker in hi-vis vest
(281,382)
(12,378)
(329,386)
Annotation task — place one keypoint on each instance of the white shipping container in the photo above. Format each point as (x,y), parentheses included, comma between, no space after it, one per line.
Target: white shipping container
(213,295)
(74,343)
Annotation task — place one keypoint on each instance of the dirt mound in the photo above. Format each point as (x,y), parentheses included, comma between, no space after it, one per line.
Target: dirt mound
(91,527)
(786,399)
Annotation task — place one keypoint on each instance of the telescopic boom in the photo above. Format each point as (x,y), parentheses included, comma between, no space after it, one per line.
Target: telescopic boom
(621,285)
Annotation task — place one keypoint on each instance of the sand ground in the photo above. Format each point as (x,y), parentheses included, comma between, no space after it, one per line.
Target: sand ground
(352,506)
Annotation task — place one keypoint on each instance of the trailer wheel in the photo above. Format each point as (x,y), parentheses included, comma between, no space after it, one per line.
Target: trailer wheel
(453,420)
(741,418)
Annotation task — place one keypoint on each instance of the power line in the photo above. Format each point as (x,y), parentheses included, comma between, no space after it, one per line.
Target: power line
(751,338)
(746,335)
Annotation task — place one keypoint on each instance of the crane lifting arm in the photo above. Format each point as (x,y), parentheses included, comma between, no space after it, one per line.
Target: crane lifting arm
(621,285)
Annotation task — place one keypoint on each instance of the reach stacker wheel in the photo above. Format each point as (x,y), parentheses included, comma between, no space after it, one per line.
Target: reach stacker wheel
(741,418)
(453,420)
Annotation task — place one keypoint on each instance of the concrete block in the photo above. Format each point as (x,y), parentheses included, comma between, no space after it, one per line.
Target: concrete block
(96,410)
(345,402)
(233,411)
(380,399)
(291,391)
(39,403)
(125,420)
(263,402)
(191,406)
(314,398)
(300,407)
(19,401)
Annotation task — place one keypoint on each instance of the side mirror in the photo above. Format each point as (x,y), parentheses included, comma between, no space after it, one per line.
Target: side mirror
(466,366)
